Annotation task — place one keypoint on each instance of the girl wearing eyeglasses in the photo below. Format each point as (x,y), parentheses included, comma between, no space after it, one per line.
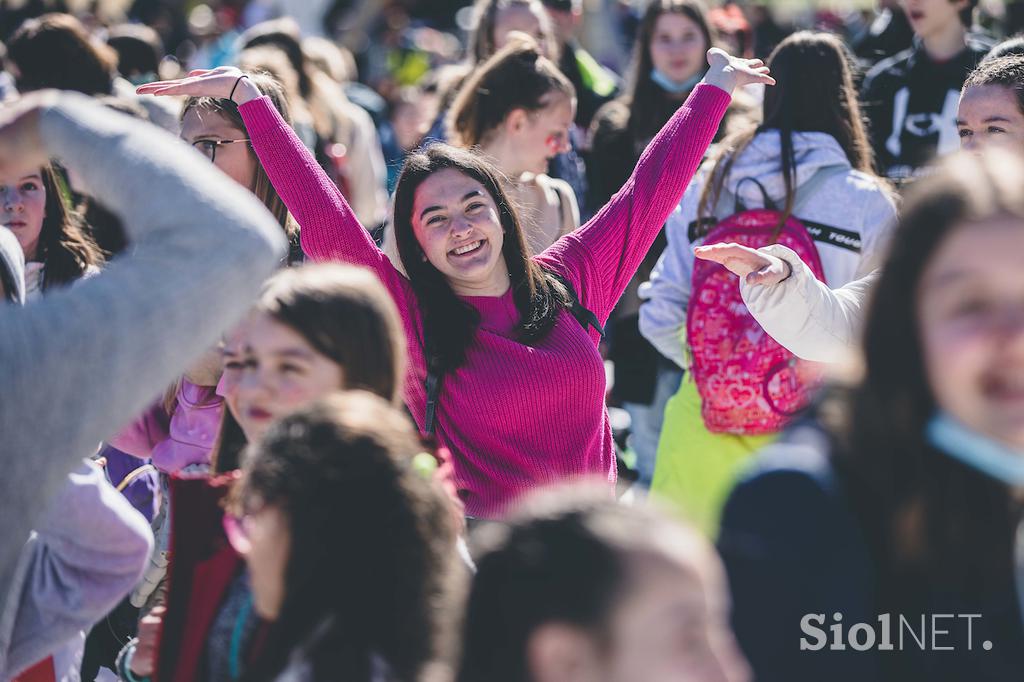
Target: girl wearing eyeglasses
(214,127)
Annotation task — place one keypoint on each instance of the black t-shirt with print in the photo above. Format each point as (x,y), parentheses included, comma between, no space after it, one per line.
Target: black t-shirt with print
(911,102)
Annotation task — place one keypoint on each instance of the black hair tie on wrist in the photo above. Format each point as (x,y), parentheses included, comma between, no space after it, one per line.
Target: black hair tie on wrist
(233,87)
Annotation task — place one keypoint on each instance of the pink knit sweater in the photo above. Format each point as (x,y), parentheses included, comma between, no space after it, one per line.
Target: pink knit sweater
(513,416)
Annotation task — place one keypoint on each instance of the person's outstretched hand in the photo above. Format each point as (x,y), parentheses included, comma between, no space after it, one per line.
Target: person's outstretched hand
(21,144)
(756,267)
(728,72)
(223,82)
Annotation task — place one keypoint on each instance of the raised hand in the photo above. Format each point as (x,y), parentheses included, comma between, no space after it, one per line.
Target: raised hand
(21,145)
(728,72)
(756,267)
(225,82)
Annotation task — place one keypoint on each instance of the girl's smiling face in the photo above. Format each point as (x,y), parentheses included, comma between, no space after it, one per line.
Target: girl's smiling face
(990,115)
(970,303)
(456,222)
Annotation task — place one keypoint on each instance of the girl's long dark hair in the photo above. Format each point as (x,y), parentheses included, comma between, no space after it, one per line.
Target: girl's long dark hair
(372,542)
(932,523)
(449,324)
(813,93)
(64,246)
(649,107)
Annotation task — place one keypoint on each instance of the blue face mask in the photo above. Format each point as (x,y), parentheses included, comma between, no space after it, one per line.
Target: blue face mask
(976,451)
(671,87)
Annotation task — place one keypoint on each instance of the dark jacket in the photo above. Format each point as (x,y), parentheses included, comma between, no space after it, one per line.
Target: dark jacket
(911,101)
(792,546)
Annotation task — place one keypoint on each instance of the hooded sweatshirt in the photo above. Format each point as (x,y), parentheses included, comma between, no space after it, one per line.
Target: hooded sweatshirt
(848,216)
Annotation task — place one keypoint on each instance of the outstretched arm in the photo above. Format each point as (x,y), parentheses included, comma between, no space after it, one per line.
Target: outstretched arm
(802,313)
(330,230)
(603,255)
(201,247)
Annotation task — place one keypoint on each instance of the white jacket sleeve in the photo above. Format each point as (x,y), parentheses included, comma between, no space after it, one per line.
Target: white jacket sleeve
(804,315)
(665,297)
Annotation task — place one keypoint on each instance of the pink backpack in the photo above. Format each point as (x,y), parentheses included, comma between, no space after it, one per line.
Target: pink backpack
(749,384)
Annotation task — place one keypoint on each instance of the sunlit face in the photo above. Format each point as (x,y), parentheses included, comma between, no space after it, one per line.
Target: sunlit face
(971,313)
(455,220)
(670,625)
(931,17)
(266,547)
(678,47)
(990,115)
(540,135)
(673,626)
(23,208)
(270,371)
(522,18)
(236,160)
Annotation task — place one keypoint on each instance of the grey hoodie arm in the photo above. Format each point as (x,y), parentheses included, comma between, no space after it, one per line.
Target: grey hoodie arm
(80,363)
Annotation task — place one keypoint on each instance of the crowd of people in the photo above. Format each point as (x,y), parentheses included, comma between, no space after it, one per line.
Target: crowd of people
(529,341)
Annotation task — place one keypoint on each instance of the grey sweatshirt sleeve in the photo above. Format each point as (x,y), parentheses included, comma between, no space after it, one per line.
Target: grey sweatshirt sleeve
(87,552)
(80,363)
(804,315)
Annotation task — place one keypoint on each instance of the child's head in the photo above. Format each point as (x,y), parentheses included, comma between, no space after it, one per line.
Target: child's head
(411,113)
(581,588)
(343,533)
(932,17)
(672,38)
(495,20)
(991,110)
(946,329)
(519,98)
(315,329)
(56,51)
(215,128)
(34,208)
(813,92)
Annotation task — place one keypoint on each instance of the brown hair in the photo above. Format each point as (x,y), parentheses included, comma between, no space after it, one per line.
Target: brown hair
(1006,71)
(517,77)
(372,562)
(347,316)
(449,323)
(485,15)
(65,248)
(228,110)
(55,51)
(643,94)
(931,521)
(813,93)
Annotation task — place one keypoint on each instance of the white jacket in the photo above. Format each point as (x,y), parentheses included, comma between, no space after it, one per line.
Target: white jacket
(858,205)
(804,315)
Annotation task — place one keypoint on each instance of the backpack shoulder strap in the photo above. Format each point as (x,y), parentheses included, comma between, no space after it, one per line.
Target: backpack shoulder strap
(583,315)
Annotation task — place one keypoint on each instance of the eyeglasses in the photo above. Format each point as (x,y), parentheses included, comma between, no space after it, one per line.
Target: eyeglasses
(208,148)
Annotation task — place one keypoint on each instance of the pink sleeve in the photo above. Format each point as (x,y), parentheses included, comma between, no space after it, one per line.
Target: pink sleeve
(138,438)
(603,255)
(329,228)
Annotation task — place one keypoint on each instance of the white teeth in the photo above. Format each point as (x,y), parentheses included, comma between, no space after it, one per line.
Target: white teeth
(467,248)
